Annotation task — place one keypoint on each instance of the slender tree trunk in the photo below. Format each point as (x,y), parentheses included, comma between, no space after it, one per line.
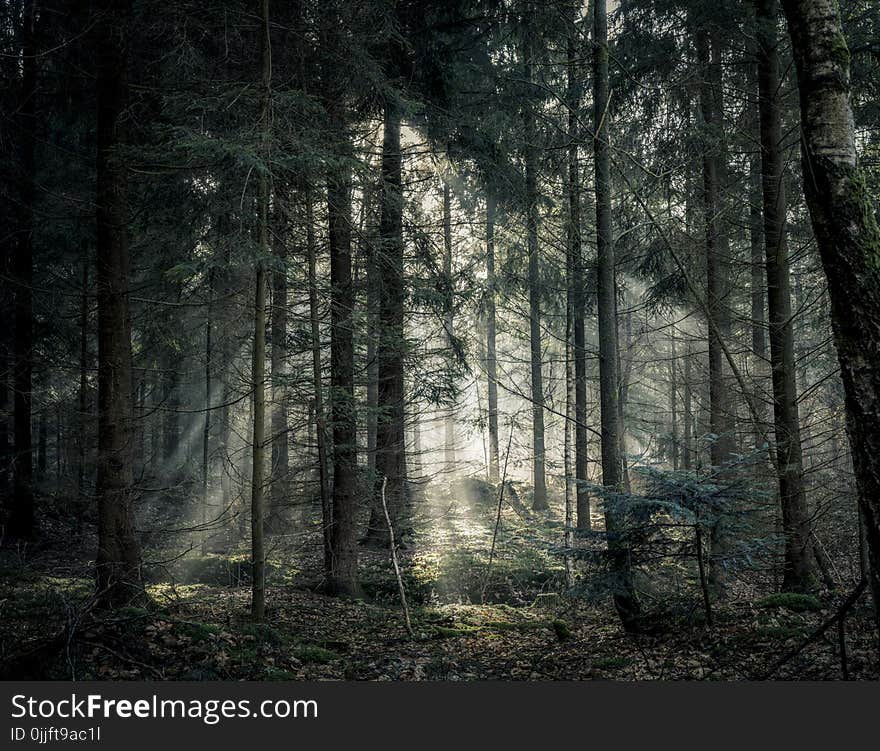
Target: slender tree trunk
(491,355)
(5,446)
(118,560)
(448,320)
(687,448)
(21,520)
(42,442)
(848,237)
(539,501)
(372,418)
(344,565)
(579,353)
(758,285)
(717,253)
(798,568)
(258,482)
(280,429)
(673,405)
(625,599)
(206,427)
(318,387)
(390,434)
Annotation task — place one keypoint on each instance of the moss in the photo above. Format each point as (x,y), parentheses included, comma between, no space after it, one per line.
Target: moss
(840,50)
(277,674)
(312,653)
(198,632)
(783,633)
(796,603)
(445,632)
(561,629)
(263,634)
(612,663)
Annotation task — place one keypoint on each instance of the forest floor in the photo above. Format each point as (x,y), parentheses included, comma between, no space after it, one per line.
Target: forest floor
(511,623)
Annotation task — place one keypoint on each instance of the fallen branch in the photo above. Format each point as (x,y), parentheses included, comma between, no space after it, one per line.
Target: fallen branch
(497,517)
(409,627)
(838,616)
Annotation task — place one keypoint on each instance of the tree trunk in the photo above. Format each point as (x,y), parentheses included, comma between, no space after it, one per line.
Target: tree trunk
(848,237)
(491,356)
(280,438)
(448,321)
(625,599)
(539,500)
(687,448)
(344,563)
(579,352)
(318,387)
(21,520)
(206,426)
(118,560)
(798,568)
(390,431)
(717,253)
(258,483)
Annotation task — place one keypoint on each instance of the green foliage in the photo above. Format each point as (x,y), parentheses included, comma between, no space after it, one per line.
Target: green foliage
(561,629)
(793,601)
(312,653)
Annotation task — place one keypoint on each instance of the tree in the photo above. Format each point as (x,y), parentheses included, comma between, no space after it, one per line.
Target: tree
(530,157)
(848,237)
(708,43)
(21,520)
(118,561)
(390,433)
(798,574)
(258,372)
(625,599)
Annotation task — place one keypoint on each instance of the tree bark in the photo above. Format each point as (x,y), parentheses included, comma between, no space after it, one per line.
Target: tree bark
(843,219)
(539,481)
(258,482)
(280,437)
(390,431)
(717,252)
(448,321)
(579,352)
(344,564)
(118,560)
(625,599)
(318,387)
(21,520)
(798,568)
(491,355)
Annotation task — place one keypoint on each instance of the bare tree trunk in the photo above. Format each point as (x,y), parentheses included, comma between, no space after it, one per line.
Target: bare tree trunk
(21,520)
(625,599)
(717,252)
(344,564)
(687,448)
(206,427)
(539,501)
(280,438)
(390,434)
(673,404)
(579,353)
(848,237)
(5,446)
(258,483)
(318,387)
(798,568)
(118,560)
(491,356)
(448,320)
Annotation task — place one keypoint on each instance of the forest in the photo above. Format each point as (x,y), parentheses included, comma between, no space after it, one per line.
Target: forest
(440,340)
